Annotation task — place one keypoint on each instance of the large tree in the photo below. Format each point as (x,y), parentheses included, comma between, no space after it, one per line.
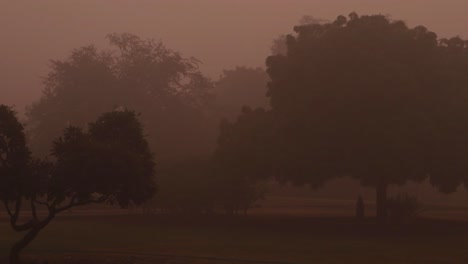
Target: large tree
(109,163)
(134,73)
(364,96)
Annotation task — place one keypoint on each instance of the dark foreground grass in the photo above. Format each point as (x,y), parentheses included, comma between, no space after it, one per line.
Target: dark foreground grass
(155,239)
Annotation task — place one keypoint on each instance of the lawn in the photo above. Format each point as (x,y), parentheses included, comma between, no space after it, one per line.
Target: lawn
(268,238)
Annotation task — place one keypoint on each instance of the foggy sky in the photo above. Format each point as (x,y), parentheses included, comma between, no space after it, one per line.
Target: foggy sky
(221,33)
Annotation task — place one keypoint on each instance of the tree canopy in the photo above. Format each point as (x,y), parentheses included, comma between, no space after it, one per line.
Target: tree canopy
(371,98)
(366,97)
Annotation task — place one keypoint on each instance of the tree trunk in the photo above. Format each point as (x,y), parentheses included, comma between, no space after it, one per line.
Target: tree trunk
(20,245)
(381,201)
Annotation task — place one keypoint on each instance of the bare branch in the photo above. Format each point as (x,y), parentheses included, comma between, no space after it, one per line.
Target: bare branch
(22,227)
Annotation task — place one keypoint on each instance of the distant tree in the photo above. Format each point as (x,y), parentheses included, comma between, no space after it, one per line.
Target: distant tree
(403,208)
(111,163)
(202,187)
(135,73)
(243,159)
(239,87)
(238,193)
(15,157)
(358,97)
(185,187)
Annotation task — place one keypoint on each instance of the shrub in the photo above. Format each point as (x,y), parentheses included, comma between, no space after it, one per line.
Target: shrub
(403,208)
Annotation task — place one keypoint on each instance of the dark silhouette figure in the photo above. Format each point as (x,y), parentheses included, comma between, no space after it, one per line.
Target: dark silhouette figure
(360,208)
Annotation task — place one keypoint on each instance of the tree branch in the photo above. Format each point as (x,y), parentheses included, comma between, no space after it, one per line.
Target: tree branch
(33,209)
(42,203)
(14,218)
(73,204)
(7,207)
(15,215)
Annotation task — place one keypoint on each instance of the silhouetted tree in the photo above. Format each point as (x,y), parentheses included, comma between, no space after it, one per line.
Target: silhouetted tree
(239,87)
(110,163)
(449,163)
(135,73)
(243,159)
(14,154)
(355,97)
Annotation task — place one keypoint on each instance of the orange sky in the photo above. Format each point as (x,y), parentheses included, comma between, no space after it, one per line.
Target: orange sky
(221,33)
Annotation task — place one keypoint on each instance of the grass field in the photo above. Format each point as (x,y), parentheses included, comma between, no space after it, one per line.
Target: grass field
(262,237)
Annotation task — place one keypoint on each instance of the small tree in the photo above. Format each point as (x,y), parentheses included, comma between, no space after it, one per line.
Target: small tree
(111,163)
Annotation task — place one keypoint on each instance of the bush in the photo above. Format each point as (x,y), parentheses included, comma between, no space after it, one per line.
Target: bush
(403,208)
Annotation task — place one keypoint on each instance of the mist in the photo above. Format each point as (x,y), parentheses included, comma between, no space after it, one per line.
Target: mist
(233,131)
(34,32)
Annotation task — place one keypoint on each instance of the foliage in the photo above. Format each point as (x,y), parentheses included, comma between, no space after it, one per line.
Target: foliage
(371,98)
(350,103)
(243,159)
(14,156)
(449,155)
(403,208)
(113,159)
(243,145)
(111,163)
(137,74)
(238,193)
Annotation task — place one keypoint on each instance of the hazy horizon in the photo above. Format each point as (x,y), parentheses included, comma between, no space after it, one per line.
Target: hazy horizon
(35,32)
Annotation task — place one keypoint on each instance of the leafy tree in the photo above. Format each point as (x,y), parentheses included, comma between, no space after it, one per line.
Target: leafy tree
(243,159)
(356,97)
(238,192)
(239,87)
(135,73)
(111,163)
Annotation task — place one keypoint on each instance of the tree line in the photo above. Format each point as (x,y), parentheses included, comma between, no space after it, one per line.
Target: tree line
(361,96)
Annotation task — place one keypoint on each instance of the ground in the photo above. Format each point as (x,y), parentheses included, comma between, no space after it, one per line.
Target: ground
(280,239)
(285,229)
